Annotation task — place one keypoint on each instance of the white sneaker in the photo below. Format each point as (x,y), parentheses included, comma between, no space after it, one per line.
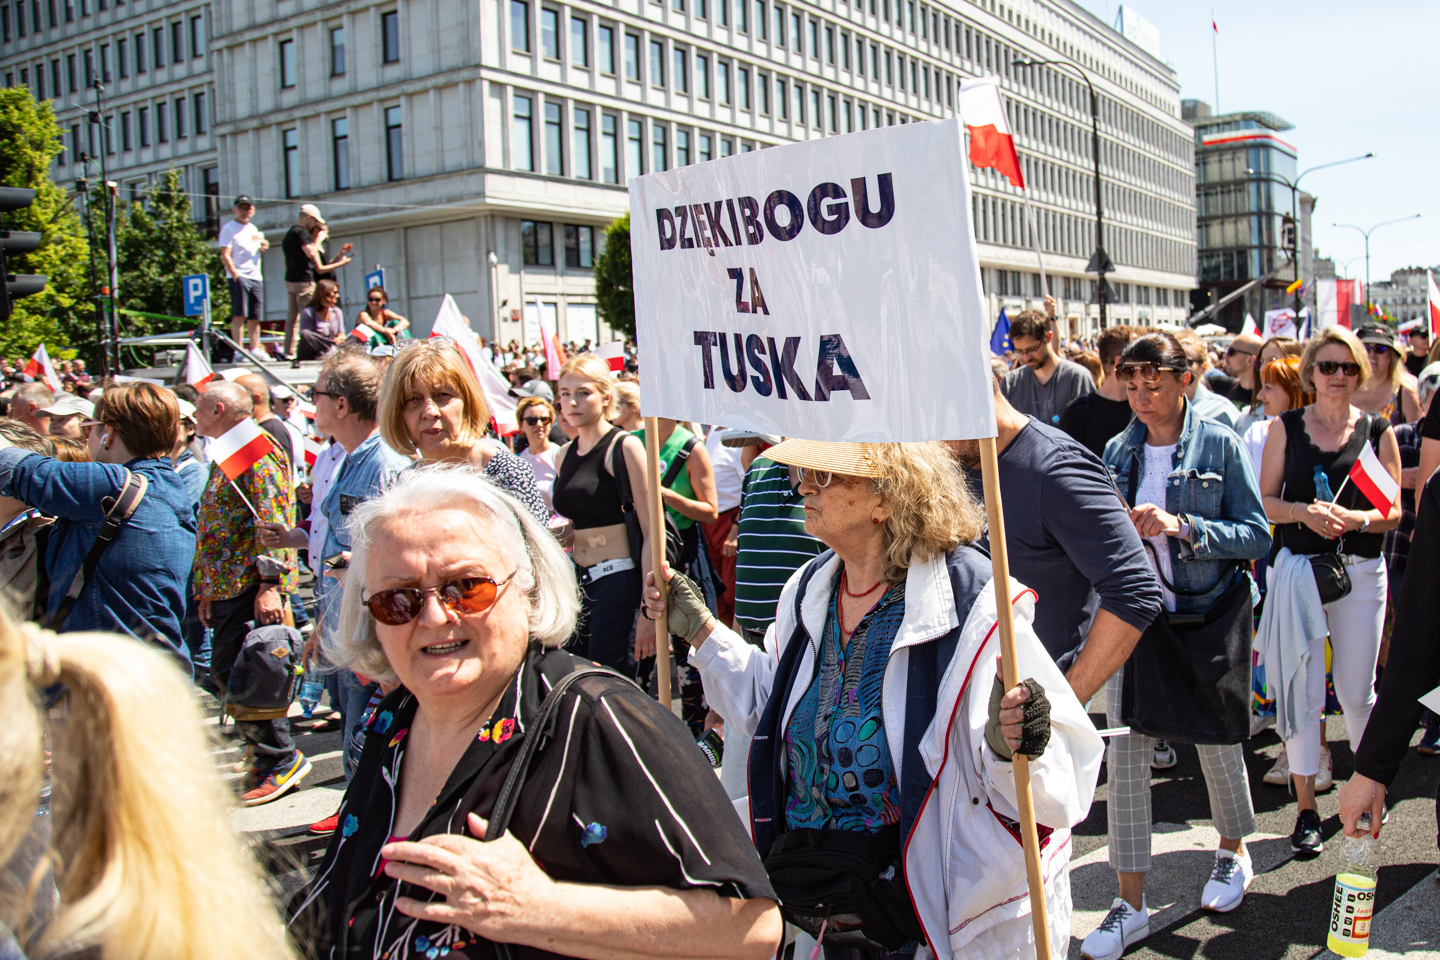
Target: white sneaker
(1279,775)
(1228,882)
(1164,757)
(1325,779)
(1122,926)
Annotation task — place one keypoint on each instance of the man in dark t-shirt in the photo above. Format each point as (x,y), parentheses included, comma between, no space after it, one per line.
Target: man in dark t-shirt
(1096,417)
(303,266)
(1419,339)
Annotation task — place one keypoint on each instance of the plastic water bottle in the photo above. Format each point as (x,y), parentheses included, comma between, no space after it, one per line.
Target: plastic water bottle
(310,692)
(1323,493)
(1354,897)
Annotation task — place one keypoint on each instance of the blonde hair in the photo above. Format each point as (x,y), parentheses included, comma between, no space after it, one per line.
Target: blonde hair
(597,371)
(145,861)
(1341,337)
(542,568)
(433,363)
(626,393)
(527,402)
(931,510)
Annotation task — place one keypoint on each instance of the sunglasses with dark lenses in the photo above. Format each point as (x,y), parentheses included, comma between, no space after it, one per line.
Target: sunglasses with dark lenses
(1149,373)
(821,478)
(1231,351)
(1376,348)
(470,595)
(376,299)
(535,421)
(1331,367)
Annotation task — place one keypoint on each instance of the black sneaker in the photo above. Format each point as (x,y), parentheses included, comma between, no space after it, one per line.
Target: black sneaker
(1306,838)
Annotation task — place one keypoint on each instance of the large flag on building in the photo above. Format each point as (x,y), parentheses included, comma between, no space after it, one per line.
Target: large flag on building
(449,322)
(240,448)
(197,369)
(1373,480)
(40,366)
(1333,299)
(1434,299)
(991,145)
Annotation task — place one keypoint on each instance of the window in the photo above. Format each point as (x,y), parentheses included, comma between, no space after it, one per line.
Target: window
(722,82)
(889,68)
(197,36)
(337,51)
(522,150)
(520,25)
(70,69)
(554,155)
(202,120)
(106,136)
(782,104)
(64,156)
(706,150)
(702,76)
(290,146)
(394,150)
(657,148)
(89,68)
(550,33)
(682,148)
(762,88)
(742,80)
(579,42)
(678,5)
(287,64)
(162,128)
(815,116)
(834,126)
(580,145)
(682,72)
(69,11)
(104,63)
(125,143)
(177,42)
(122,57)
(796,40)
(634,148)
(390,37)
(759,19)
(140,53)
(727,146)
(143,116)
(609,149)
(340,151)
(722,12)
(537,243)
(212,192)
(657,63)
(157,45)
(741,20)
(632,57)
(579,246)
(815,42)
(5,27)
(779,27)
(51,6)
(605,48)
(874,62)
(55,87)
(799,103)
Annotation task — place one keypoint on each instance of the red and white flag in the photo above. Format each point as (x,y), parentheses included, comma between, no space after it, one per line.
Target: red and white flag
(1251,327)
(362,333)
(40,366)
(1434,299)
(991,144)
(613,354)
(197,368)
(313,449)
(449,322)
(1373,480)
(240,448)
(306,408)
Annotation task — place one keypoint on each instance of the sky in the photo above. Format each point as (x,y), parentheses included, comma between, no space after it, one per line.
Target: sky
(1353,78)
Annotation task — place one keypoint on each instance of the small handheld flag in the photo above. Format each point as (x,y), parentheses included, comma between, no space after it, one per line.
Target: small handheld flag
(613,354)
(240,448)
(197,369)
(40,366)
(1373,480)
(1000,340)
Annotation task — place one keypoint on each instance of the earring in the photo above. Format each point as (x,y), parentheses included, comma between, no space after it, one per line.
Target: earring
(874,519)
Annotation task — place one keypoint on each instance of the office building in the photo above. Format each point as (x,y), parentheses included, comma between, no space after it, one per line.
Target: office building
(1406,295)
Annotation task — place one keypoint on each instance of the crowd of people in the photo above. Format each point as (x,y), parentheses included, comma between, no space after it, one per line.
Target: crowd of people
(512,779)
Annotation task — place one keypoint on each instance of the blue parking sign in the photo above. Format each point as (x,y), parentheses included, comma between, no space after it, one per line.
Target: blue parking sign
(375,278)
(197,291)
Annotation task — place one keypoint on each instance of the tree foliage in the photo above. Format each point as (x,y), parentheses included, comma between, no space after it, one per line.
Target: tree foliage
(614,285)
(61,315)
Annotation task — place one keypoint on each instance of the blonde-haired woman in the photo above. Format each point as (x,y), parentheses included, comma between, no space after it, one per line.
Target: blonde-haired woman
(1308,455)
(626,414)
(431,408)
(1390,390)
(590,491)
(535,415)
(879,720)
(145,862)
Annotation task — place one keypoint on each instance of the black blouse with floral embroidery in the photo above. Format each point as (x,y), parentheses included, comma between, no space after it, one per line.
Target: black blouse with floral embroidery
(617,794)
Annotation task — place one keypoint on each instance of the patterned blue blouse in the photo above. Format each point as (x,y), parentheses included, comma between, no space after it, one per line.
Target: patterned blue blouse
(841,776)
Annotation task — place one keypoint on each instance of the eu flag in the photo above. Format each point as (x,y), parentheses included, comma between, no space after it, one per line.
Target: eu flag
(1000,339)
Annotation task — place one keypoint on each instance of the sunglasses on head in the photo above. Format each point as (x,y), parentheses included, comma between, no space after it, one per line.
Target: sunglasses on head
(1149,373)
(1331,367)
(535,421)
(462,595)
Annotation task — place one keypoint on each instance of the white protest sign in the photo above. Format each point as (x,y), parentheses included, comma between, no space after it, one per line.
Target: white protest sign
(828,290)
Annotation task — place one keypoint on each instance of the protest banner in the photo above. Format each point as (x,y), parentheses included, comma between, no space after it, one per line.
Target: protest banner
(827,290)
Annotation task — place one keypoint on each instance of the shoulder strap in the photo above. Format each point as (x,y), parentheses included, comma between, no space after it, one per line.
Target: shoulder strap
(620,470)
(678,463)
(117,511)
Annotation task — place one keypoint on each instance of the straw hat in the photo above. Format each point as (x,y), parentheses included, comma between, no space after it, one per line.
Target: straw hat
(849,459)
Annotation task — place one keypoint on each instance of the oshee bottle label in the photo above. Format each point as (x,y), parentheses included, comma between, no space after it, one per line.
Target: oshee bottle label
(1350,914)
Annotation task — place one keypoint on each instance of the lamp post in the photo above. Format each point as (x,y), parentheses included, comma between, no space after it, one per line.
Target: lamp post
(1294,186)
(1366,234)
(1101,261)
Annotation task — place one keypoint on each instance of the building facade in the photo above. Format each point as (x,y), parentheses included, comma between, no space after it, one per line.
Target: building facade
(480,149)
(1405,296)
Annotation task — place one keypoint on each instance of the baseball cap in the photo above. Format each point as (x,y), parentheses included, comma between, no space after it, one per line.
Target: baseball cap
(534,388)
(1376,333)
(243,201)
(67,405)
(281,392)
(187,409)
(310,210)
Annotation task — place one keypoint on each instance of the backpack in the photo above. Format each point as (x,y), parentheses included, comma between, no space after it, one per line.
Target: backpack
(264,677)
(674,543)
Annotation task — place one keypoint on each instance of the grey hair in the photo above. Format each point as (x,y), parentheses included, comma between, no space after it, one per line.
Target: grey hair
(542,568)
(235,397)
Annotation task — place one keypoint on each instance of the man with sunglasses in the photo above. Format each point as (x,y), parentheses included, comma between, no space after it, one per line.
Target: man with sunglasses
(1046,384)
(1236,382)
(1417,335)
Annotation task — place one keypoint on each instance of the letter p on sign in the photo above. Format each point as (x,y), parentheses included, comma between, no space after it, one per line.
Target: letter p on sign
(197,290)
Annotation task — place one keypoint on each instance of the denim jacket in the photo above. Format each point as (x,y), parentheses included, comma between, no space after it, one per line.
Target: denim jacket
(1213,483)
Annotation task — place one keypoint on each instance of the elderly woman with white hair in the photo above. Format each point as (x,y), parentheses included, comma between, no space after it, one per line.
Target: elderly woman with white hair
(622,843)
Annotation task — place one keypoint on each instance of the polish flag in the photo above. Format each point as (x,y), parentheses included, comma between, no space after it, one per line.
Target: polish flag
(991,144)
(240,448)
(313,449)
(1251,327)
(197,368)
(1434,305)
(613,354)
(449,322)
(39,366)
(362,333)
(1373,480)
(554,353)
(306,408)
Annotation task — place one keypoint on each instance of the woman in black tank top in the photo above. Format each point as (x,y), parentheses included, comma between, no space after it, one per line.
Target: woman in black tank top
(587,492)
(1308,456)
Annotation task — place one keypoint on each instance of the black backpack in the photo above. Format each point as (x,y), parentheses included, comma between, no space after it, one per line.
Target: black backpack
(674,543)
(263,678)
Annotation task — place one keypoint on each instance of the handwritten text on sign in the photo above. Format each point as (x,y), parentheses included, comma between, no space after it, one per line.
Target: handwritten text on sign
(827,290)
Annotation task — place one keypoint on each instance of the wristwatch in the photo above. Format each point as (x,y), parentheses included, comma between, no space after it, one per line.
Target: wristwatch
(1364,523)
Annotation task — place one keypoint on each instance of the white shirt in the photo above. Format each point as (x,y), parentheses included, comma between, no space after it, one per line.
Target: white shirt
(243,239)
(729,474)
(544,466)
(1157,469)
(1254,441)
(322,475)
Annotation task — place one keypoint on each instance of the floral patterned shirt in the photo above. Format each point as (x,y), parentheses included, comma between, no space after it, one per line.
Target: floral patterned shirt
(226,547)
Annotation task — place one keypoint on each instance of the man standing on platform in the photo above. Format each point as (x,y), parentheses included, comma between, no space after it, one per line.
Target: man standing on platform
(241,244)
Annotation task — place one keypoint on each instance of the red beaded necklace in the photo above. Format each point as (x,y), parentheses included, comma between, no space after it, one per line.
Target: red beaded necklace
(845,589)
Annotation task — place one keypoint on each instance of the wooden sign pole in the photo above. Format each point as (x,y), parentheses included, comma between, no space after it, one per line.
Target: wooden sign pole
(1000,564)
(656,506)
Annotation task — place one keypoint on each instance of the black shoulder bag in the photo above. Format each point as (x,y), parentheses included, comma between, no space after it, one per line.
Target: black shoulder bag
(674,545)
(1331,577)
(1188,679)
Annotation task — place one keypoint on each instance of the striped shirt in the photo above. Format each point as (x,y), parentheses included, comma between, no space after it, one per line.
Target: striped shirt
(773,543)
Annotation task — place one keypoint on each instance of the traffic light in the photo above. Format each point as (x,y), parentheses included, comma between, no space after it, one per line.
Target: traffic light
(12,242)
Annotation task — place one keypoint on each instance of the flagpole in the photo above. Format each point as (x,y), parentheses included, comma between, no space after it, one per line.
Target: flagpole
(1215,56)
(657,557)
(253,512)
(1035,237)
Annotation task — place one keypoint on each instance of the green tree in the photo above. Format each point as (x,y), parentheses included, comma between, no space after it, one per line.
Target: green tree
(614,285)
(60,316)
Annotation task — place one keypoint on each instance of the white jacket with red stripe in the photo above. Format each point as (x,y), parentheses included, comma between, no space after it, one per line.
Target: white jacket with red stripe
(964,866)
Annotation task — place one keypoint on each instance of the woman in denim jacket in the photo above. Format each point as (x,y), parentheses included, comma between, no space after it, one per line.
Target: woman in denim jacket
(1196,503)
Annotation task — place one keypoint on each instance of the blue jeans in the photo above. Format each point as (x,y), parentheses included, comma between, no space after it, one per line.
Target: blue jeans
(353,697)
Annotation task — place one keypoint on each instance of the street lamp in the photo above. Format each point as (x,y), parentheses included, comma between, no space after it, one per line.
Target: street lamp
(1295,213)
(1367,233)
(1102,263)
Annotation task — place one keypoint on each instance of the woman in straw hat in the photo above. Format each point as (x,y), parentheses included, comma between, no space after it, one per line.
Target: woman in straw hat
(881,731)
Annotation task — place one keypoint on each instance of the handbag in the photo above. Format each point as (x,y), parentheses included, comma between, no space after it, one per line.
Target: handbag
(1331,577)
